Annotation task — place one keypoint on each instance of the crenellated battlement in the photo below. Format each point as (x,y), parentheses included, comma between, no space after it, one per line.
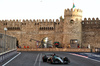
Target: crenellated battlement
(38,20)
(10,20)
(90,21)
(73,12)
(26,21)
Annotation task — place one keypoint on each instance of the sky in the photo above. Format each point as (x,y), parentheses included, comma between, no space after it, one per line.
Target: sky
(46,9)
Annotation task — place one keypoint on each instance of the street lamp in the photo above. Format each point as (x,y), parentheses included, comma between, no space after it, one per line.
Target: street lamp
(5,29)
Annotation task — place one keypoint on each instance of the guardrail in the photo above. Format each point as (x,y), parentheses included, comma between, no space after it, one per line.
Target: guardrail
(7,46)
(7,43)
(7,54)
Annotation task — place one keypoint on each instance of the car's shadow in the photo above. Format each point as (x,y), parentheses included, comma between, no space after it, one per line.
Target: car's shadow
(57,64)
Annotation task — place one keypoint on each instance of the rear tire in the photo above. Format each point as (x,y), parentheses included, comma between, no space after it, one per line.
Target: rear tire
(66,59)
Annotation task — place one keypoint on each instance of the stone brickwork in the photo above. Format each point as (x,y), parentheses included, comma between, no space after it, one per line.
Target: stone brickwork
(36,29)
(61,30)
(91,32)
(72,25)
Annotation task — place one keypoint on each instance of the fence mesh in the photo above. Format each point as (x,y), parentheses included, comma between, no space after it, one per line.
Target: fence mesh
(7,43)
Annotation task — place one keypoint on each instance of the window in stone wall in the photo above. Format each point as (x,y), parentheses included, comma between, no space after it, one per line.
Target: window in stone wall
(4,23)
(91,22)
(18,28)
(23,23)
(10,28)
(82,22)
(13,28)
(48,28)
(52,28)
(87,22)
(35,23)
(95,22)
(71,21)
(44,28)
(40,28)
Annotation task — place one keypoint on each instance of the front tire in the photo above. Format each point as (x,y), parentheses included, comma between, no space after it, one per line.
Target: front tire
(44,59)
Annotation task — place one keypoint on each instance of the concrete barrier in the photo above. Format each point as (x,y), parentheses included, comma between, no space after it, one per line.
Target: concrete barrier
(7,54)
(58,49)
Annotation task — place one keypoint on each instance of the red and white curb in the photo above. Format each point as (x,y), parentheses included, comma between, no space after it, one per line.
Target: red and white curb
(79,55)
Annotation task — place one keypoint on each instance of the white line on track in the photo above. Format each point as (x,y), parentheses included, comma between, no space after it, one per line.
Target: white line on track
(84,57)
(11,59)
(93,59)
(36,60)
(40,59)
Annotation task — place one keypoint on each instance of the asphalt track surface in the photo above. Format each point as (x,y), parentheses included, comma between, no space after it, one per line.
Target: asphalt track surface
(35,59)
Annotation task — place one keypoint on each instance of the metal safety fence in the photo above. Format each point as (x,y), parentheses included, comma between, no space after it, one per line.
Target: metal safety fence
(7,43)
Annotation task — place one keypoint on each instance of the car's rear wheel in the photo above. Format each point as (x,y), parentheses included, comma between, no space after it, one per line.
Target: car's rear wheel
(67,60)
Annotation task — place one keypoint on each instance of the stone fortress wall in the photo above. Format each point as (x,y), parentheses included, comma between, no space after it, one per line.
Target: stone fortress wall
(35,29)
(72,25)
(61,30)
(91,32)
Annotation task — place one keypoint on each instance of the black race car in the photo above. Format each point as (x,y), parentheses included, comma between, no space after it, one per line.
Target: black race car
(53,58)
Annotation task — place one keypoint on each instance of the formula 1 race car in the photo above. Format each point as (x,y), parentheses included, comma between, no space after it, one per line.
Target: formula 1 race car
(53,58)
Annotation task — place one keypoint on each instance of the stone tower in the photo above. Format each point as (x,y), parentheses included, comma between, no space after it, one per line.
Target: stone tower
(72,26)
